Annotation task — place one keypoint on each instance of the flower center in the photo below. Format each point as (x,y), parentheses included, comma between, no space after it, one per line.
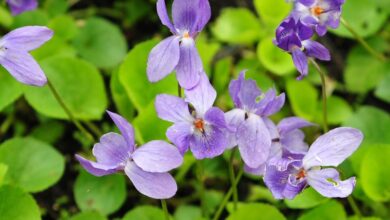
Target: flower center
(301,174)
(317,11)
(199,124)
(186,35)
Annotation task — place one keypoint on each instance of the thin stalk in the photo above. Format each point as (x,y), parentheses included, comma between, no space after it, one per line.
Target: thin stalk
(324,98)
(178,90)
(165,209)
(95,129)
(228,195)
(233,178)
(199,176)
(6,124)
(361,40)
(354,206)
(68,112)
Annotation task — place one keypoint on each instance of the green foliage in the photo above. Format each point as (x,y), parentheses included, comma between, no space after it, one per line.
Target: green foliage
(145,213)
(10,89)
(303,98)
(256,211)
(309,198)
(328,211)
(88,215)
(185,212)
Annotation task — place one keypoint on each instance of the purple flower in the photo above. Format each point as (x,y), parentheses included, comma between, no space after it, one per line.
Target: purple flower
(203,130)
(330,149)
(247,119)
(20,6)
(287,138)
(14,56)
(294,37)
(318,13)
(147,166)
(178,52)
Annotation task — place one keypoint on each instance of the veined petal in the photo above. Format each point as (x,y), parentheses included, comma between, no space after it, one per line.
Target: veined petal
(332,148)
(233,119)
(211,143)
(291,123)
(327,182)
(111,150)
(96,169)
(204,14)
(20,6)
(294,142)
(172,108)
(216,117)
(316,50)
(179,134)
(125,128)
(191,15)
(27,38)
(163,15)
(300,62)
(189,67)
(163,59)
(153,185)
(22,66)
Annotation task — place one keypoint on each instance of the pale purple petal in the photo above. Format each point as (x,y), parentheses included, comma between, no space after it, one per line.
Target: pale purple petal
(235,87)
(273,106)
(327,182)
(189,67)
(254,141)
(291,123)
(157,156)
(179,134)
(22,66)
(191,15)
(163,15)
(321,30)
(272,129)
(216,117)
(333,148)
(26,38)
(125,128)
(258,171)
(202,96)
(20,6)
(211,143)
(234,118)
(307,2)
(316,50)
(96,169)
(153,185)
(294,141)
(300,62)
(111,150)
(203,16)
(163,59)
(172,108)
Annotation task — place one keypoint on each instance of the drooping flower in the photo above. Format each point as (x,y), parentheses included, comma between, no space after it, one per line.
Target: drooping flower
(146,166)
(251,134)
(203,129)
(294,37)
(20,6)
(15,57)
(330,149)
(318,13)
(178,52)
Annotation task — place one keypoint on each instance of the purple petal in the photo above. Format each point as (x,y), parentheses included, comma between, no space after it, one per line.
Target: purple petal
(172,108)
(216,117)
(191,15)
(304,32)
(234,118)
(307,2)
(96,169)
(190,65)
(316,50)
(20,6)
(272,129)
(163,59)
(333,148)
(327,182)
(271,104)
(22,66)
(27,38)
(235,87)
(153,185)
(244,92)
(202,96)
(300,62)
(321,30)
(254,141)
(291,123)
(294,142)
(163,15)
(111,150)
(179,134)
(125,128)
(157,156)
(259,171)
(204,14)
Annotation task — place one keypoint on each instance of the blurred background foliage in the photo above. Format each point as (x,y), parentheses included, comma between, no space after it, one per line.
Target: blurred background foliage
(97,61)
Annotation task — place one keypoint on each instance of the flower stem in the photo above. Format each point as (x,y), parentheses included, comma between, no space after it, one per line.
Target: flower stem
(364,43)
(178,90)
(199,175)
(232,178)
(354,206)
(6,124)
(165,209)
(68,112)
(228,195)
(324,99)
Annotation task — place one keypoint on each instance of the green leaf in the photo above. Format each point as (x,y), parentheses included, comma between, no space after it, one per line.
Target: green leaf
(383,89)
(303,98)
(207,49)
(121,100)
(309,198)
(33,165)
(221,74)
(272,12)
(64,26)
(273,58)
(101,43)
(17,205)
(256,211)
(56,47)
(88,215)
(338,110)
(10,89)
(375,173)
(374,18)
(132,75)
(105,194)
(6,18)
(49,131)
(245,30)
(56,7)
(78,83)
(186,212)
(36,17)
(328,211)
(145,212)
(3,171)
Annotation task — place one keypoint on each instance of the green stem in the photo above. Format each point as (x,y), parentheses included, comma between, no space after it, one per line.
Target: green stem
(7,124)
(324,99)
(232,178)
(178,90)
(95,129)
(354,206)
(165,209)
(228,195)
(201,187)
(69,113)
(364,43)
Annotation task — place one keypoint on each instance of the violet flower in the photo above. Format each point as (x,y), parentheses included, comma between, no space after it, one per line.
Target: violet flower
(147,166)
(20,6)
(318,13)
(178,52)
(202,130)
(247,119)
(294,37)
(14,56)
(330,149)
